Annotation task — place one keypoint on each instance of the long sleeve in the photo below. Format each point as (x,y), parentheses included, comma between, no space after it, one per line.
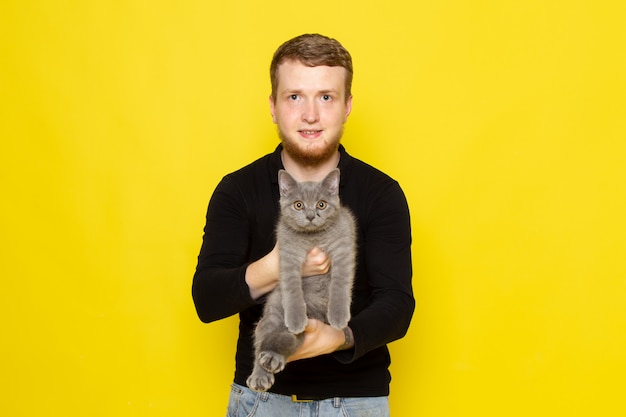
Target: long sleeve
(219,289)
(385,270)
(239,230)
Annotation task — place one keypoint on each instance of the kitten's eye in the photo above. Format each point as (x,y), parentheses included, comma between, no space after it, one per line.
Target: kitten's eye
(298,205)
(322,205)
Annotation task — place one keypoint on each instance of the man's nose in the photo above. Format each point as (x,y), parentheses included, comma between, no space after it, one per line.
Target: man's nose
(311,112)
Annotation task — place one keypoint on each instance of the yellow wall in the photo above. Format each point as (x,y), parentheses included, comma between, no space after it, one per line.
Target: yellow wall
(505,122)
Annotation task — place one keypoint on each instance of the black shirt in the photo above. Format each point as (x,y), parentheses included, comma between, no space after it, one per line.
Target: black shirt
(239,230)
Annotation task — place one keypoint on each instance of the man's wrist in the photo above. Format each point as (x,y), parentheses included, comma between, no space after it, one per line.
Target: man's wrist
(349,339)
(261,276)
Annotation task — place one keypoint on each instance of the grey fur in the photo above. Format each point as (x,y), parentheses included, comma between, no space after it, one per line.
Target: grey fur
(320,221)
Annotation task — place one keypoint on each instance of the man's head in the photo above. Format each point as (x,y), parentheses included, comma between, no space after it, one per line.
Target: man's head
(312,50)
(311,99)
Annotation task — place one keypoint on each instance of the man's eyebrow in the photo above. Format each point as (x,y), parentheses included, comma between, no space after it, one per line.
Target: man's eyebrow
(299,91)
(292,91)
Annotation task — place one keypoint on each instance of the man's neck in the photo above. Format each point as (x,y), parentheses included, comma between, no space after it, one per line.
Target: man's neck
(315,172)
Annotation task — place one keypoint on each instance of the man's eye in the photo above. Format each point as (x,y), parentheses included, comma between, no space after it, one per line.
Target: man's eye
(298,205)
(293,97)
(326,97)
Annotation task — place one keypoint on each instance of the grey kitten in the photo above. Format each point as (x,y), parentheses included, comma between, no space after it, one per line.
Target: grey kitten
(310,215)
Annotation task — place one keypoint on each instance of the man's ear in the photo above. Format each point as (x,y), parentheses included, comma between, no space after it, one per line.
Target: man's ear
(348,108)
(272,111)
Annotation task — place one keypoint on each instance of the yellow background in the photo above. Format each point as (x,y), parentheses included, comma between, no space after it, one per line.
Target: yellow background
(504,121)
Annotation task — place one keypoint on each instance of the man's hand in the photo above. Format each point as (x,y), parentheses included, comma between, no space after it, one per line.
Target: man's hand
(319,339)
(317,262)
(262,275)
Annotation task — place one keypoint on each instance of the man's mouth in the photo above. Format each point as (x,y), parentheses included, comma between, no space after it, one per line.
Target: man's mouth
(310,133)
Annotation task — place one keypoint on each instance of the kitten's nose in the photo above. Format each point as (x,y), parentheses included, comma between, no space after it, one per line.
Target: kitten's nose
(310,215)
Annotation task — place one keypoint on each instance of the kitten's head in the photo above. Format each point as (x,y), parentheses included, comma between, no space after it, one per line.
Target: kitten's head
(309,206)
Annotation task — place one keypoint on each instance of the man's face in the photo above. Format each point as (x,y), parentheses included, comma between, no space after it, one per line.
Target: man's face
(310,110)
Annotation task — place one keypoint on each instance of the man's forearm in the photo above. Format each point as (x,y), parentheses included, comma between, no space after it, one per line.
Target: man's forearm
(262,275)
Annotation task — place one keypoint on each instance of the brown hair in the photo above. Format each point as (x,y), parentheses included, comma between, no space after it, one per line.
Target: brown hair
(312,50)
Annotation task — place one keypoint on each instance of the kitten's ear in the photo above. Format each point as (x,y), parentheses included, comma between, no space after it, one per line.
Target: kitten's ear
(286,183)
(331,182)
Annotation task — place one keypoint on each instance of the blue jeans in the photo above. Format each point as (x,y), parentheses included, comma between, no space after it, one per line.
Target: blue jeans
(244,402)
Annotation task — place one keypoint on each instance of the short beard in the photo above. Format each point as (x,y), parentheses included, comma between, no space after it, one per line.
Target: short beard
(306,157)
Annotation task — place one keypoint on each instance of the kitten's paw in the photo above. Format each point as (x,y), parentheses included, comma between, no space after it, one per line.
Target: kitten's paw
(272,362)
(296,323)
(260,380)
(339,319)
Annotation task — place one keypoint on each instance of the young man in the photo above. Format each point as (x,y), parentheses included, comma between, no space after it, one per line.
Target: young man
(334,372)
